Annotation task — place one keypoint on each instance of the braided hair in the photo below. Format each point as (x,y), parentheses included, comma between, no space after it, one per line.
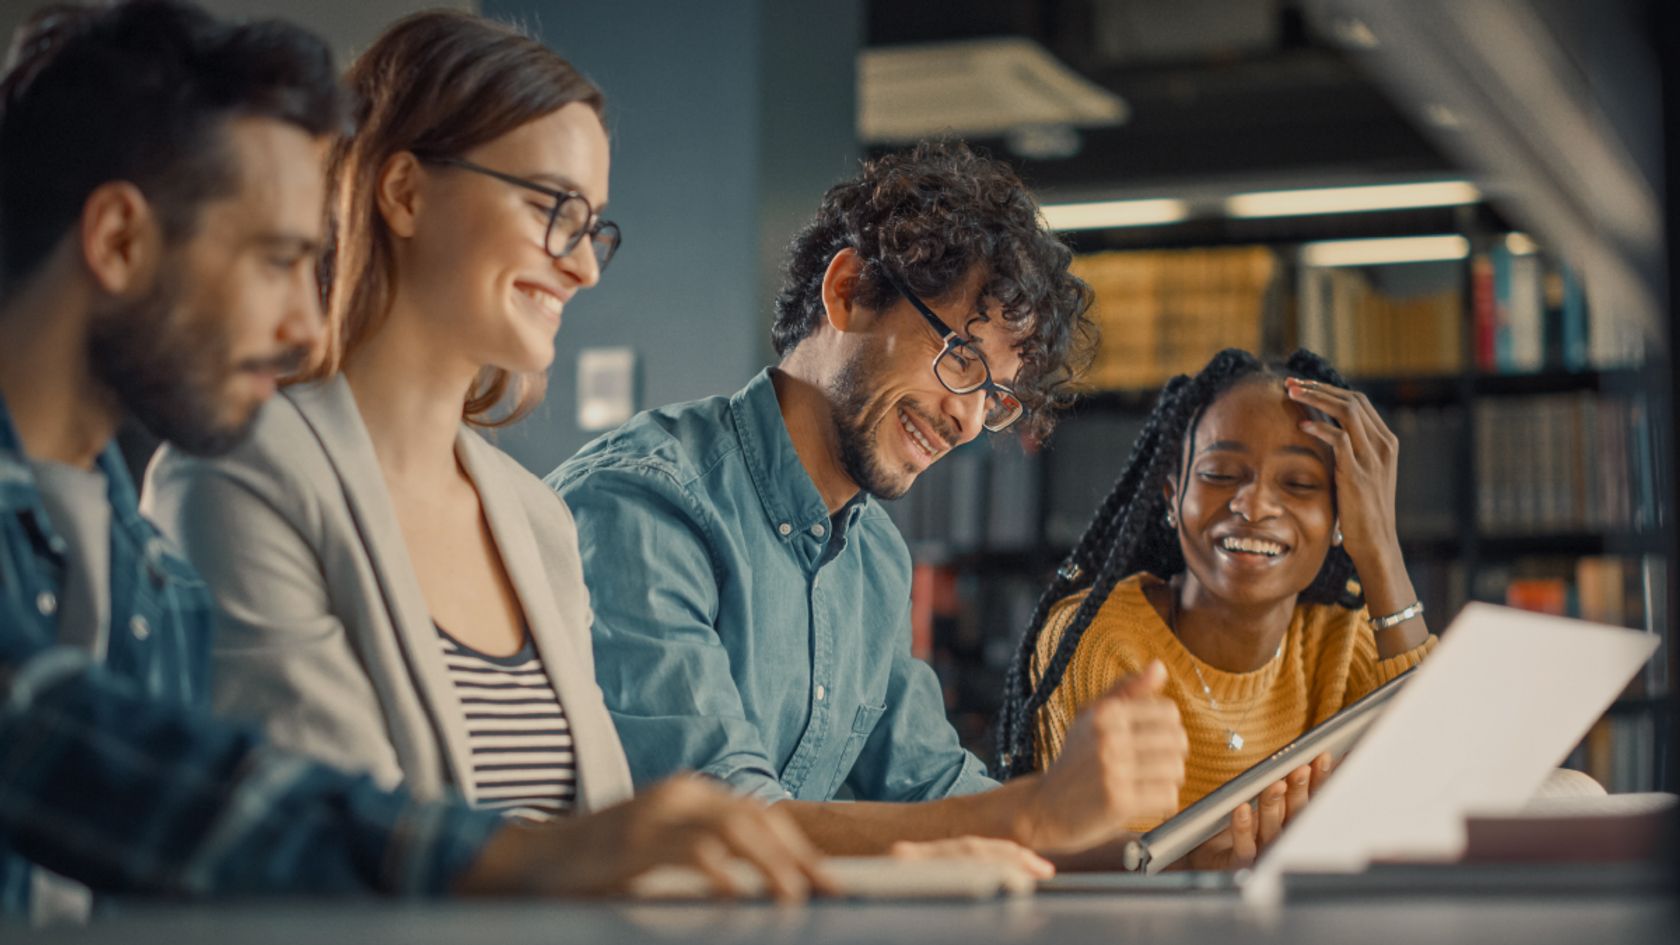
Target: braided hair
(1129,534)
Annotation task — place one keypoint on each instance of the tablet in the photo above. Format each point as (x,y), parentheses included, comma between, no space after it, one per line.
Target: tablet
(1189,828)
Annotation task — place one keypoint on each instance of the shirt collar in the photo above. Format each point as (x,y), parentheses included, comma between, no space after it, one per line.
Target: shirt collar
(17,480)
(18,490)
(785,489)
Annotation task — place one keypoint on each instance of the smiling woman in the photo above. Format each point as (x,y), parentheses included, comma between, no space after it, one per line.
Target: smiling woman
(397,596)
(1247,544)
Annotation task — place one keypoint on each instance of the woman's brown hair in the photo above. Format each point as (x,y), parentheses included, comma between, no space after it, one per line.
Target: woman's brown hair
(438,83)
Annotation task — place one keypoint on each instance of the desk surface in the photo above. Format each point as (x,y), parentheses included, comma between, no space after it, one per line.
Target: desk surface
(1060,919)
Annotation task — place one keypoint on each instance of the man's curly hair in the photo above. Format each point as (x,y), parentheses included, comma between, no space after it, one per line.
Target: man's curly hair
(930,215)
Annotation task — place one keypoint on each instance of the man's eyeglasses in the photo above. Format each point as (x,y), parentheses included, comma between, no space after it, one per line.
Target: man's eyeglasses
(962,369)
(570,217)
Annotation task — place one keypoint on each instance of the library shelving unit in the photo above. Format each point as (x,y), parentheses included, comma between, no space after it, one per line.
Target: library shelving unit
(1531,435)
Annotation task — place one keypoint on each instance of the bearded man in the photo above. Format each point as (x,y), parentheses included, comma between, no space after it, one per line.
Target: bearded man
(752,597)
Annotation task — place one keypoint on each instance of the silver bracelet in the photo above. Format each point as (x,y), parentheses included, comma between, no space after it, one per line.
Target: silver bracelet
(1397,618)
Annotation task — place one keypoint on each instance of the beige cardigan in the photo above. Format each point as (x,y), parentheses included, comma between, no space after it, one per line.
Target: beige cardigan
(324,636)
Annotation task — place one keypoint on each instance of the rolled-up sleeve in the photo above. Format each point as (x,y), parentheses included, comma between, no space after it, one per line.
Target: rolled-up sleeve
(664,671)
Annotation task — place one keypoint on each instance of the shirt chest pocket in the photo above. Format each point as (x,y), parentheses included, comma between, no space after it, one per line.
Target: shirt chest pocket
(863,723)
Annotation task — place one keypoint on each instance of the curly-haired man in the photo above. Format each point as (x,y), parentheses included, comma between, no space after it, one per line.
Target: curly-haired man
(751,596)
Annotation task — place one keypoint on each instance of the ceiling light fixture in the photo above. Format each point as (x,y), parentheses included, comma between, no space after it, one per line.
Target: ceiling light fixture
(1377,252)
(1292,203)
(1114,213)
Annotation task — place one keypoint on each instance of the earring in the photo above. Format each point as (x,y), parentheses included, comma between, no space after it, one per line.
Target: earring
(1172,522)
(1336,536)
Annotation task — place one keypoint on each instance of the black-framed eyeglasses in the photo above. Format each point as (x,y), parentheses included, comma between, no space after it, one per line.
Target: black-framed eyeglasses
(962,369)
(570,218)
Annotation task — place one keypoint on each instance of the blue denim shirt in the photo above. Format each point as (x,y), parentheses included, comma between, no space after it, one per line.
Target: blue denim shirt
(742,632)
(159,631)
(112,772)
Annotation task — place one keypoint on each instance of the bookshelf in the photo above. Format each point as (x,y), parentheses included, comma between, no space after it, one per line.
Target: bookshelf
(1530,432)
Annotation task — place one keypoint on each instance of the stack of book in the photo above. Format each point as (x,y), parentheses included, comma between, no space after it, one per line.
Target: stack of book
(1165,312)
(1367,332)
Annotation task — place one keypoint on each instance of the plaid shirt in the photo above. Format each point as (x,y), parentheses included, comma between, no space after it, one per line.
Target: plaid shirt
(112,771)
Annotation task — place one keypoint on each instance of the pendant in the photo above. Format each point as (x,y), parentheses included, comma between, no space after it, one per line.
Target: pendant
(1235,742)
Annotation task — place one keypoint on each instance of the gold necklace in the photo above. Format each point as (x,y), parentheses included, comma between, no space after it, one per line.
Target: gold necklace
(1233,739)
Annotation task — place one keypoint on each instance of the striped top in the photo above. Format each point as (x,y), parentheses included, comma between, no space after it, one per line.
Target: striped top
(517,733)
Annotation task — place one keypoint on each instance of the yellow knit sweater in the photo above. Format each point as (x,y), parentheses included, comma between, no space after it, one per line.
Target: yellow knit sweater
(1329,659)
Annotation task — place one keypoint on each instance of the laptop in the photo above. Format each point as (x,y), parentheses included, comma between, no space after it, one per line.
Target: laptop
(1498,704)
(1477,727)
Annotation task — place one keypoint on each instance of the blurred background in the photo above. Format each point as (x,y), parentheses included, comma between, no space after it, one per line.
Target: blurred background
(1461,204)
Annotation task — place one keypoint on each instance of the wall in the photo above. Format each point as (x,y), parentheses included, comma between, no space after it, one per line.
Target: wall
(729,118)
(348,24)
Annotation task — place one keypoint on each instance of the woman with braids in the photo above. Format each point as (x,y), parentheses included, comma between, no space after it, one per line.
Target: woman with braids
(1249,544)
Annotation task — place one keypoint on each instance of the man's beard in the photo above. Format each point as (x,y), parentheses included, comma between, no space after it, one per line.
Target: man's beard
(860,449)
(169,370)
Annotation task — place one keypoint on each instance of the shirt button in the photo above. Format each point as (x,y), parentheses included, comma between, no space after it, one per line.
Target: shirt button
(57,545)
(818,529)
(46,603)
(139,627)
(784,529)
(821,692)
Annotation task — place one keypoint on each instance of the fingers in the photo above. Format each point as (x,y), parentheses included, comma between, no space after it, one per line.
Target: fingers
(1362,424)
(1214,853)
(1123,761)
(804,852)
(1144,799)
(983,849)
(1295,795)
(750,833)
(686,819)
(711,857)
(1273,809)
(1321,768)
(1244,849)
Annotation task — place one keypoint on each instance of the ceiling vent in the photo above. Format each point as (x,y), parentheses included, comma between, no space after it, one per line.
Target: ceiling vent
(972,89)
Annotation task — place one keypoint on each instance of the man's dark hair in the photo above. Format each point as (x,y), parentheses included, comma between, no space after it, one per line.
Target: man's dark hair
(931,215)
(141,92)
(1130,534)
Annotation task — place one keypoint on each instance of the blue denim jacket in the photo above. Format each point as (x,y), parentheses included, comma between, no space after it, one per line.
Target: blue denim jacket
(742,632)
(159,632)
(112,772)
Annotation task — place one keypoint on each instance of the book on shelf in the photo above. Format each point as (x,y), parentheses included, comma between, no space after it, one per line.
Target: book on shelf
(1530,314)
(1541,595)
(1565,463)
(984,496)
(1166,312)
(944,514)
(1618,752)
(1607,589)
(1427,490)
(1081,462)
(1012,512)
(1366,330)
(1618,590)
